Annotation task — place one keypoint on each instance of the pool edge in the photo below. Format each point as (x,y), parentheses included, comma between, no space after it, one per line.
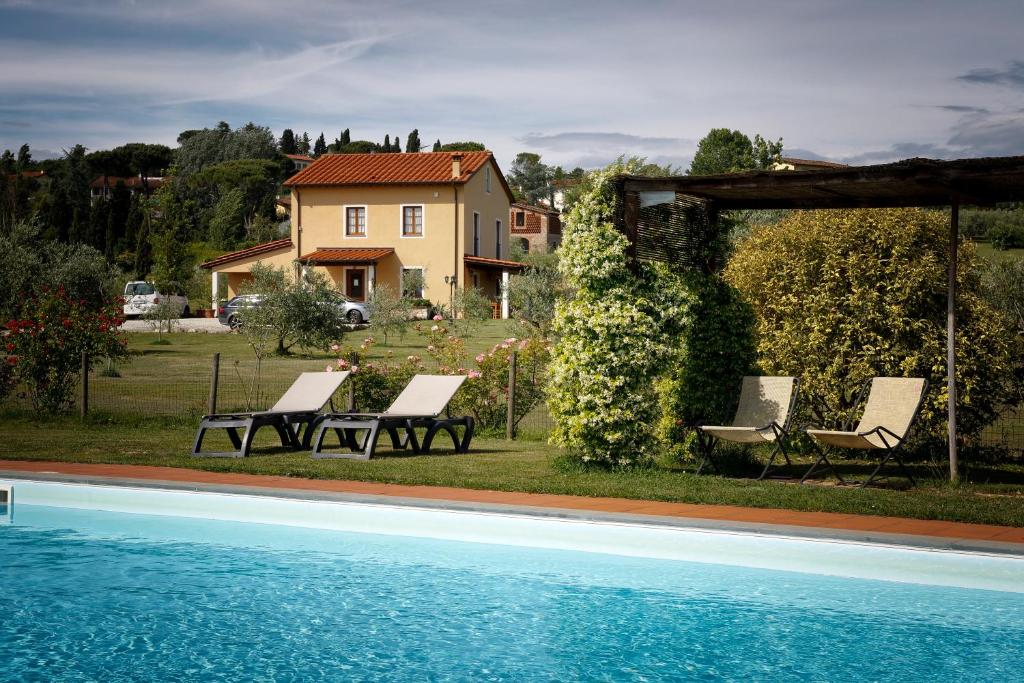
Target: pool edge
(793,531)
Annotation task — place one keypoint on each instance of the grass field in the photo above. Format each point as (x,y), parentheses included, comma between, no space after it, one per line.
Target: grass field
(987,251)
(148,416)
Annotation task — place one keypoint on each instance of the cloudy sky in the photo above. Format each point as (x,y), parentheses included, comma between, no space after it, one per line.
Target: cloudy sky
(578,82)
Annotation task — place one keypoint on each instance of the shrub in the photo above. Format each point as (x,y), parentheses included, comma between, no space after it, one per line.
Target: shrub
(1007,234)
(842,296)
(612,340)
(46,339)
(1004,289)
(485,393)
(534,292)
(717,348)
(375,384)
(471,308)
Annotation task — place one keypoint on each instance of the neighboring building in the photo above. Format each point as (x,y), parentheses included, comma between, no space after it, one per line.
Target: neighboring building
(560,187)
(794,164)
(300,161)
(136,184)
(364,219)
(535,228)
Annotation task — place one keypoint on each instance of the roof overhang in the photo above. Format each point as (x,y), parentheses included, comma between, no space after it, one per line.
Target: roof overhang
(334,256)
(492,263)
(914,182)
(242,254)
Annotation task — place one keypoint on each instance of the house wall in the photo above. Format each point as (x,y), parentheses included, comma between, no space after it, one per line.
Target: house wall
(323,225)
(492,206)
(237,272)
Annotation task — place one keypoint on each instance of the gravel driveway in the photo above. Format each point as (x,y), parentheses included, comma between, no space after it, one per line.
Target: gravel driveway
(209,325)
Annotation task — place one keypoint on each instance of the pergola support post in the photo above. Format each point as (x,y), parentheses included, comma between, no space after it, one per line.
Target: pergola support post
(954,238)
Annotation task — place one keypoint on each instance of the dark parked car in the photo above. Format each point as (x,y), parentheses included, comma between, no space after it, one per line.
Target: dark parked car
(228,313)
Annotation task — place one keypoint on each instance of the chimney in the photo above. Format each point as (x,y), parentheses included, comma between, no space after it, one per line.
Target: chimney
(456,166)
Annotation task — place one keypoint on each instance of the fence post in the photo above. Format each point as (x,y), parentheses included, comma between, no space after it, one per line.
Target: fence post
(214,381)
(351,396)
(84,405)
(510,424)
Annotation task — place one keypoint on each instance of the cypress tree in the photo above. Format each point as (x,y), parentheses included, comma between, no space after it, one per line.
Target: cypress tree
(303,145)
(412,144)
(437,145)
(320,147)
(287,143)
(387,143)
(345,137)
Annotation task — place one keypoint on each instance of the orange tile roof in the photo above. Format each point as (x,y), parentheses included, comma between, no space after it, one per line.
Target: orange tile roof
(333,255)
(299,157)
(264,248)
(394,168)
(485,262)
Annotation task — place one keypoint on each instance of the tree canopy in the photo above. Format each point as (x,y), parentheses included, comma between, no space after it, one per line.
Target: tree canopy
(730,151)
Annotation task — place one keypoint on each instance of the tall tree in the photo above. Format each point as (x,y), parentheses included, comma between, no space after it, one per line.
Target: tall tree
(412,144)
(387,142)
(345,137)
(147,160)
(529,178)
(287,143)
(320,148)
(24,158)
(468,146)
(396,145)
(437,146)
(304,144)
(7,163)
(730,151)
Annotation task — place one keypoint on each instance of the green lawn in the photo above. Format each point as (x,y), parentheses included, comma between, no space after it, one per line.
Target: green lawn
(987,251)
(171,383)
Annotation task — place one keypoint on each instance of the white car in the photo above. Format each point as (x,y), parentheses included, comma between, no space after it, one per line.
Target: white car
(142,297)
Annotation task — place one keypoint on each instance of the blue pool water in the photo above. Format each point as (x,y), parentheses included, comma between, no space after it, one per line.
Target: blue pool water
(101,596)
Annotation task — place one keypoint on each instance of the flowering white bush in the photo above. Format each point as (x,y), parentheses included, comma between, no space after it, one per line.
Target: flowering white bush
(613,337)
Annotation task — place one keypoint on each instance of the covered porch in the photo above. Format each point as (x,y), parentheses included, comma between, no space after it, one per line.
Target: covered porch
(356,271)
(491,276)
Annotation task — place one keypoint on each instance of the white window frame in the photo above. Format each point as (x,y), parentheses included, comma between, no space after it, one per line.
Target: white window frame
(401,221)
(487,178)
(344,221)
(476,233)
(423,274)
(497,237)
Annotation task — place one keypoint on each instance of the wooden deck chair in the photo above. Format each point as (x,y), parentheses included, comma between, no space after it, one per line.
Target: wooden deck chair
(298,407)
(766,407)
(419,406)
(892,406)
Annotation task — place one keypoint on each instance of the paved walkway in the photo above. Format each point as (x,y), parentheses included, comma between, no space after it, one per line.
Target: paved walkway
(677,511)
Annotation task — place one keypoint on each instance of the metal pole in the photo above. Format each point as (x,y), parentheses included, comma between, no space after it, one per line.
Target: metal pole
(85,384)
(510,425)
(954,235)
(214,381)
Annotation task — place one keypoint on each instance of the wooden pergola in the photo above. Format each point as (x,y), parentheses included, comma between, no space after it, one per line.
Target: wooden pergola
(910,183)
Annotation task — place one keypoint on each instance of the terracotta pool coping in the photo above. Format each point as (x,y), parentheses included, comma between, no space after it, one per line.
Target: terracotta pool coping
(816,523)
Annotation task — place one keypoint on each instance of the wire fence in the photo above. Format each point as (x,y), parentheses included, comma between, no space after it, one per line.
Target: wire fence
(183,391)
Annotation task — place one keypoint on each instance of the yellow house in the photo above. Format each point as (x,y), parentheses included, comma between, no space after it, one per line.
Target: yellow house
(365,219)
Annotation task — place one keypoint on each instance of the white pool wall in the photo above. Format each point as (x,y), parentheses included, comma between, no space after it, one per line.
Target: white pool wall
(939,567)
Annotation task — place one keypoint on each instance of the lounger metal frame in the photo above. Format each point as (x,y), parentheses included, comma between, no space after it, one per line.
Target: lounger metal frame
(891,448)
(706,442)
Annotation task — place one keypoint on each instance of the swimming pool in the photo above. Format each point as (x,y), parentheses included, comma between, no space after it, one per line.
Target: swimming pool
(91,589)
